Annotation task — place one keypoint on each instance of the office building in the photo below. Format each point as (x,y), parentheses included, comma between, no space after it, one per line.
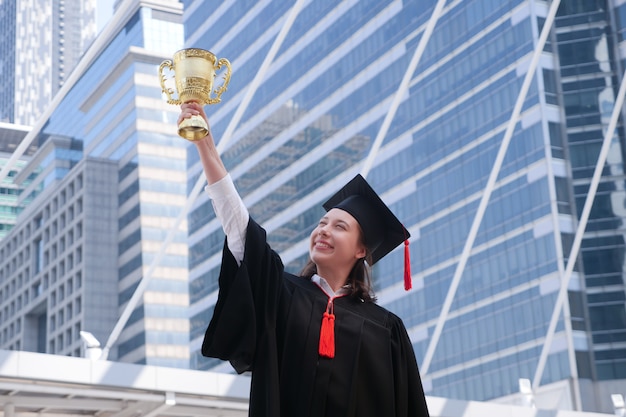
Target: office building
(103,189)
(320,103)
(41,43)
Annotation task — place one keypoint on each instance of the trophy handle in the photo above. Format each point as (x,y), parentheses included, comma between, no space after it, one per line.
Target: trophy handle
(168,91)
(220,90)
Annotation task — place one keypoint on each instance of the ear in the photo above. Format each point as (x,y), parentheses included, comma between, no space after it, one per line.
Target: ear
(361,251)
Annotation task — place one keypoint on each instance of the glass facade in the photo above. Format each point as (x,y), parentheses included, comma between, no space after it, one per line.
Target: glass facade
(590,73)
(313,120)
(10,137)
(7,60)
(9,209)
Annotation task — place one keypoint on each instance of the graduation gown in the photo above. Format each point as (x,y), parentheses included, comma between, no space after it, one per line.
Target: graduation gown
(268,321)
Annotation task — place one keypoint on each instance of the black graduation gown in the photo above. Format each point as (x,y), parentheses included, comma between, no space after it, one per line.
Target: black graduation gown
(268,322)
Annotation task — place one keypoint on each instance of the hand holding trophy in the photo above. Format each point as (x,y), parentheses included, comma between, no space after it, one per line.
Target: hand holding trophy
(194,72)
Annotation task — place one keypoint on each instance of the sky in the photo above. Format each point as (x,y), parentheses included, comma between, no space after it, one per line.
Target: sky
(104,11)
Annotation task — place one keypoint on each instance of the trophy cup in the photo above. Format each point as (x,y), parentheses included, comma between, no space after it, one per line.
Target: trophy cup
(194,72)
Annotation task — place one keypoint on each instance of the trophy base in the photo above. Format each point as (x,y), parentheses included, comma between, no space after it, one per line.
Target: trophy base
(194,128)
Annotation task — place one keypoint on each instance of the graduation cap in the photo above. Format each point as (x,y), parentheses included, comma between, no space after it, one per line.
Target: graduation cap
(382,230)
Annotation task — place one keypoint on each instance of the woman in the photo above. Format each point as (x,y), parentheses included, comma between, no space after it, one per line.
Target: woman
(317,345)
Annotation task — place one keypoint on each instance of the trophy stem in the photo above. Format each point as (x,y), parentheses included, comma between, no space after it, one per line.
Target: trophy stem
(194,128)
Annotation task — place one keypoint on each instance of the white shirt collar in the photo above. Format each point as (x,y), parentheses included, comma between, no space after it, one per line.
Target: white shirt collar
(325,286)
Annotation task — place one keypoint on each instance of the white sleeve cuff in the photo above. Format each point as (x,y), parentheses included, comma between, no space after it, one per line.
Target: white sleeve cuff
(232,214)
(221,189)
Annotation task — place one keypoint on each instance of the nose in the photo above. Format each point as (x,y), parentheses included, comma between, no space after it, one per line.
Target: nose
(322,231)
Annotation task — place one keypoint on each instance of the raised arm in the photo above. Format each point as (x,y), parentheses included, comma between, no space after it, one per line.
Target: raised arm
(227,203)
(214,169)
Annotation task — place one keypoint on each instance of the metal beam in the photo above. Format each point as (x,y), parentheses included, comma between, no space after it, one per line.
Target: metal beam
(81,391)
(133,409)
(403,87)
(260,75)
(155,412)
(36,402)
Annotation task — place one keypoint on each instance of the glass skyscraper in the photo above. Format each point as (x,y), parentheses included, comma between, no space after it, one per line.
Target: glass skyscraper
(41,43)
(312,123)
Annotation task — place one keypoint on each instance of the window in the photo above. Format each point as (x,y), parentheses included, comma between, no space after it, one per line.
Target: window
(39,258)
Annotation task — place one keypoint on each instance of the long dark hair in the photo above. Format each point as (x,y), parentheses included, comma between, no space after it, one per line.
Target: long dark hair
(359,281)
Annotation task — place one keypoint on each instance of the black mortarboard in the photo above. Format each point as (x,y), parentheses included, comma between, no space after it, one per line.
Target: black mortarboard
(382,230)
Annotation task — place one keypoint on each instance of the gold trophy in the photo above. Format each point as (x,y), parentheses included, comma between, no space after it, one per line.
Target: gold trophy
(194,71)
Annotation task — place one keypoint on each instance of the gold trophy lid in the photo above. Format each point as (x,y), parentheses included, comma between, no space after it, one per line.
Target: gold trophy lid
(194,53)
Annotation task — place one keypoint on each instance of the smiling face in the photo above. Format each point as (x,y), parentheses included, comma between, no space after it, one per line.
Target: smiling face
(336,244)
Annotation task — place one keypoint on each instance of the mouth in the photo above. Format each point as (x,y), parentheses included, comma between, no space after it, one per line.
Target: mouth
(322,245)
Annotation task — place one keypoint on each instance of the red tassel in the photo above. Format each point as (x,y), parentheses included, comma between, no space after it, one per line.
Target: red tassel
(408,284)
(327,336)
